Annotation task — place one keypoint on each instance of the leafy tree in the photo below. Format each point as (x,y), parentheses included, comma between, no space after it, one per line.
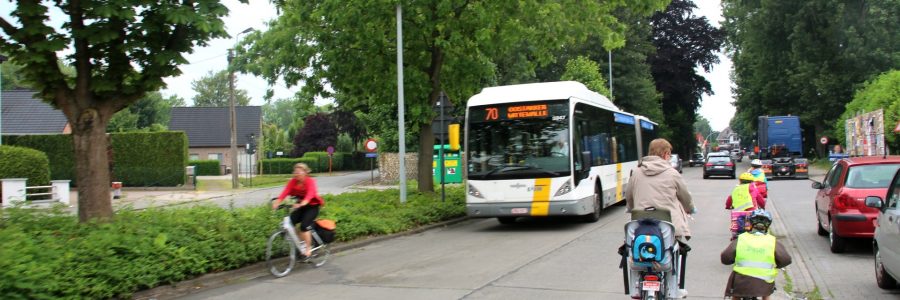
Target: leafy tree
(348,123)
(212,90)
(633,87)
(586,71)
(702,127)
(12,77)
(883,92)
(350,46)
(806,58)
(683,42)
(150,110)
(275,139)
(318,133)
(120,51)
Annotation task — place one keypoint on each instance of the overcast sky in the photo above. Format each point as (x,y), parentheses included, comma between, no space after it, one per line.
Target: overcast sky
(212,58)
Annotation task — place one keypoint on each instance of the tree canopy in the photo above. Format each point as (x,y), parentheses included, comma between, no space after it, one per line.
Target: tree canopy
(586,71)
(350,48)
(121,50)
(684,42)
(150,113)
(212,90)
(883,92)
(316,135)
(807,58)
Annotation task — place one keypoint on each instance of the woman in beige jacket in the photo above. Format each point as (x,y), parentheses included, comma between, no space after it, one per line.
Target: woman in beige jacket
(654,183)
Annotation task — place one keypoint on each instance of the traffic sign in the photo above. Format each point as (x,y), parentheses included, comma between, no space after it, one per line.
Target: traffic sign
(371,155)
(371,145)
(330,150)
(824,140)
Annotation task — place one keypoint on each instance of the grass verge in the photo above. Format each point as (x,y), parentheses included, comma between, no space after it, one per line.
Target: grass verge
(47,254)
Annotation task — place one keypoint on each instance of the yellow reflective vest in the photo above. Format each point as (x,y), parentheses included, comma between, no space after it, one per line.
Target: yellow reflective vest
(755,256)
(741,199)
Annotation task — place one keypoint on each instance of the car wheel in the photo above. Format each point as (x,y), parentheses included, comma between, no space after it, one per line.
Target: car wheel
(821,231)
(836,242)
(732,175)
(705,176)
(885,280)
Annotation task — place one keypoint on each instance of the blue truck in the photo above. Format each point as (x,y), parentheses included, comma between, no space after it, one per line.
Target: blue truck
(780,143)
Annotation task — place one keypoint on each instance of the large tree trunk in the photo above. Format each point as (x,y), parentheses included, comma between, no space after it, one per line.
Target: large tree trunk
(426,147)
(89,136)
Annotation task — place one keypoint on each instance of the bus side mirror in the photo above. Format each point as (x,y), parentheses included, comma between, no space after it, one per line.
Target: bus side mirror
(586,159)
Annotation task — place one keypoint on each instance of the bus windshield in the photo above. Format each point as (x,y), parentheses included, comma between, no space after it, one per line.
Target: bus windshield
(519,140)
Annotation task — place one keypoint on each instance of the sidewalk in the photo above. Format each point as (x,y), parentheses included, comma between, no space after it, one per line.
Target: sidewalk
(143,198)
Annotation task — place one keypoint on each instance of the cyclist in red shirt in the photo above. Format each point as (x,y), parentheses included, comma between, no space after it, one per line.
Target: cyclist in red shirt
(306,209)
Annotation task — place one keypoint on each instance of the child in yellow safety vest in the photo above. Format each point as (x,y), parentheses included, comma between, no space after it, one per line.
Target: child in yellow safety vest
(756,256)
(745,196)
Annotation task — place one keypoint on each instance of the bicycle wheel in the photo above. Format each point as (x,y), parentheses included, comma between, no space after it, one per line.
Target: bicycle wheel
(280,245)
(319,256)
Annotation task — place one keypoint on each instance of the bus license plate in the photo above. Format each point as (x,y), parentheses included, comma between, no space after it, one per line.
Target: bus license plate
(519,211)
(651,286)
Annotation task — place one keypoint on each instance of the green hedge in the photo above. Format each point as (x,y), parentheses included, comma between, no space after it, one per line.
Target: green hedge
(149,158)
(318,162)
(21,162)
(59,149)
(139,158)
(206,167)
(49,255)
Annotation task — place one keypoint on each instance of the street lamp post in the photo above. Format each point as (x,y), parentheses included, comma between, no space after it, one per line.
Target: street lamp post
(233,150)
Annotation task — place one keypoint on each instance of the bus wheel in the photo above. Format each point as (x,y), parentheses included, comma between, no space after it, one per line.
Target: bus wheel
(506,220)
(595,215)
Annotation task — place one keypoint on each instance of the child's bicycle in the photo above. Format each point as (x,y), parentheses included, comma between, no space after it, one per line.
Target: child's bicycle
(286,242)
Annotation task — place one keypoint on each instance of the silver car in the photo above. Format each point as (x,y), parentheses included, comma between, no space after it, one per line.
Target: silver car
(675,161)
(886,244)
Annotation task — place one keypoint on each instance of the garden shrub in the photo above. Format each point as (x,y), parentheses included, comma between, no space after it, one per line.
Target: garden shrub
(21,162)
(49,255)
(206,167)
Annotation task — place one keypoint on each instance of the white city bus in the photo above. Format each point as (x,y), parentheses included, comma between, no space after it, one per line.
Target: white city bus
(548,149)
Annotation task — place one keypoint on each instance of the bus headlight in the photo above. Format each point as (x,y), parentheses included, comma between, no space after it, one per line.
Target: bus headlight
(564,189)
(474,192)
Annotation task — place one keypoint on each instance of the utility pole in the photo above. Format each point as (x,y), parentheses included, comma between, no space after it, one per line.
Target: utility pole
(235,183)
(400,110)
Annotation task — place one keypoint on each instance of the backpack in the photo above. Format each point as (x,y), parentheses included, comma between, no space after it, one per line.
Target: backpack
(647,246)
(325,230)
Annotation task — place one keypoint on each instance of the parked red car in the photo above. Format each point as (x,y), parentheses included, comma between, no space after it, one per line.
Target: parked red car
(840,203)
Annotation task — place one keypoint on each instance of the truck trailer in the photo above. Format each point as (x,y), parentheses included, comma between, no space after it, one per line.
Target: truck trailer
(780,147)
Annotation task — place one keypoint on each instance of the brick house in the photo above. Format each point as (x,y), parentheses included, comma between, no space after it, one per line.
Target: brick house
(209,133)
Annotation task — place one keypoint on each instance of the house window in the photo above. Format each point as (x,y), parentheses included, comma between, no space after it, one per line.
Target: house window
(216,156)
(194,156)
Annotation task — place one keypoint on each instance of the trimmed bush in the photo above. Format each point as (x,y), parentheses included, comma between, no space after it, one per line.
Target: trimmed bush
(285,165)
(49,255)
(58,148)
(139,158)
(206,167)
(149,158)
(21,162)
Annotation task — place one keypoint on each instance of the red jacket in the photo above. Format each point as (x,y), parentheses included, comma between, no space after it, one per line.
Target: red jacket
(306,191)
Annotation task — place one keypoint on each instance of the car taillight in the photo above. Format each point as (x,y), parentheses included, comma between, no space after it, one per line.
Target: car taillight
(801,165)
(708,164)
(730,164)
(651,277)
(844,201)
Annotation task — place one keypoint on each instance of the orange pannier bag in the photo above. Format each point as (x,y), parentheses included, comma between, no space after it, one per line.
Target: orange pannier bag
(326,224)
